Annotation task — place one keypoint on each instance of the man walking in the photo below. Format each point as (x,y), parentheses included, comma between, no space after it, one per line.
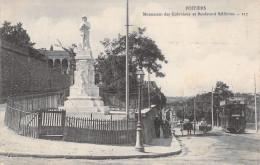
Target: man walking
(157,124)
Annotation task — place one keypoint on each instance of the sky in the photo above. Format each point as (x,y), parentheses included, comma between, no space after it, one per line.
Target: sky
(200,49)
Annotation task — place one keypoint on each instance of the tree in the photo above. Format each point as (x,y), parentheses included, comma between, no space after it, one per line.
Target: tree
(15,35)
(72,53)
(221,92)
(142,49)
(203,103)
(158,98)
(18,36)
(110,64)
(70,49)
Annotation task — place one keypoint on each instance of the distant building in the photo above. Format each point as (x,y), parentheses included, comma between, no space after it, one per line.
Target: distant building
(152,85)
(175,107)
(62,60)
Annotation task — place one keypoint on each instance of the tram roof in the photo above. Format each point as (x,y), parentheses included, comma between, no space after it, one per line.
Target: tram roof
(232,101)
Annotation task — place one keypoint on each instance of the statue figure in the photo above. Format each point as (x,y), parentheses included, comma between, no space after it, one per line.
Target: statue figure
(84,28)
(91,75)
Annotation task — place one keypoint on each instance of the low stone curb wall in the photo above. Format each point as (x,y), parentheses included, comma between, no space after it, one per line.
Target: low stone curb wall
(90,157)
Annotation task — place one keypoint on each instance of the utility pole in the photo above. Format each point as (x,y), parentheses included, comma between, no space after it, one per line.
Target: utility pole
(126,66)
(256,122)
(212,120)
(182,112)
(149,97)
(194,109)
(194,116)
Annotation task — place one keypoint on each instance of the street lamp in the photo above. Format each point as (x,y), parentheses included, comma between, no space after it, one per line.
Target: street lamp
(139,132)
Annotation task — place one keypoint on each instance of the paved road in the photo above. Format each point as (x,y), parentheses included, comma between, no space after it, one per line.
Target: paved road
(214,148)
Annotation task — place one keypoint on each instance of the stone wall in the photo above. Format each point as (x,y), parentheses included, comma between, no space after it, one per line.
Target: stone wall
(20,73)
(148,117)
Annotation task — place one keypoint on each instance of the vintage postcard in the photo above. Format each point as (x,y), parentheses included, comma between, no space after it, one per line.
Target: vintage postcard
(129,82)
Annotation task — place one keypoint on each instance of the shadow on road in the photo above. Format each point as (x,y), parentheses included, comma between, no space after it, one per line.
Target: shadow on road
(202,135)
(162,142)
(244,133)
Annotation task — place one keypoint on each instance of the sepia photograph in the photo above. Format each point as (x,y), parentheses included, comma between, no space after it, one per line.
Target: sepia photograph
(129,82)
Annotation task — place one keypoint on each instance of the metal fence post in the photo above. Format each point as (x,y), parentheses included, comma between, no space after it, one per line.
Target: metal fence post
(39,123)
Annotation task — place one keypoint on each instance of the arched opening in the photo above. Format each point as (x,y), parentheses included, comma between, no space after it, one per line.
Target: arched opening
(65,64)
(57,63)
(50,62)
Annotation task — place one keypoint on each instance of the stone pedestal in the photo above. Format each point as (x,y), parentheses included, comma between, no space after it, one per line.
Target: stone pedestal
(84,94)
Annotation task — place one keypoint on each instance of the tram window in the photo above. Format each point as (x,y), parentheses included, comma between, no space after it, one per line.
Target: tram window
(223,112)
(233,111)
(242,113)
(236,110)
(226,111)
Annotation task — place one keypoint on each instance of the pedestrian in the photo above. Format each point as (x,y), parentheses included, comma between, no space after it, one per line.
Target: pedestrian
(203,122)
(165,128)
(168,128)
(157,124)
(187,126)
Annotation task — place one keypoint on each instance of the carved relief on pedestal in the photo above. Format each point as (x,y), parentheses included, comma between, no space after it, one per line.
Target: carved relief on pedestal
(91,75)
(84,88)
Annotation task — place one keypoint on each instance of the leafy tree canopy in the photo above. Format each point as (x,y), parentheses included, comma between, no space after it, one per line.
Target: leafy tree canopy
(15,35)
(143,51)
(110,64)
(203,103)
(222,90)
(158,98)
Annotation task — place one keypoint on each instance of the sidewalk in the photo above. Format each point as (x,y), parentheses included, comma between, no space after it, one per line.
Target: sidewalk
(12,144)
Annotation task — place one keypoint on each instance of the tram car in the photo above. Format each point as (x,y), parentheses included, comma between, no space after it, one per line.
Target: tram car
(233,115)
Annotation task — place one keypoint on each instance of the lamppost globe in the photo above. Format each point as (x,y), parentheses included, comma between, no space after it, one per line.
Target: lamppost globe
(139,132)
(140,75)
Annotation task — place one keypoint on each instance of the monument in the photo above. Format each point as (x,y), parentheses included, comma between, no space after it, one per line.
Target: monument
(84,94)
